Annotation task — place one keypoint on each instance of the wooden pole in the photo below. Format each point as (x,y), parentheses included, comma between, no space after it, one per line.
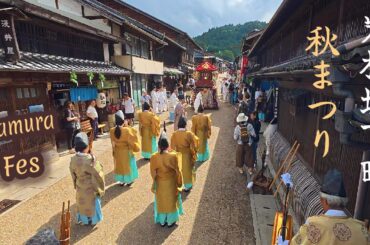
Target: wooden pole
(288,167)
(68,224)
(61,236)
(282,165)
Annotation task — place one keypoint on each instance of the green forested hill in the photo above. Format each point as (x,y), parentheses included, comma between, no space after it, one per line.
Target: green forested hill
(225,41)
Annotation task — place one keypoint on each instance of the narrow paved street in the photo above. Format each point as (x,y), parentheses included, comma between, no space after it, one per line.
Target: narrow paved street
(217,211)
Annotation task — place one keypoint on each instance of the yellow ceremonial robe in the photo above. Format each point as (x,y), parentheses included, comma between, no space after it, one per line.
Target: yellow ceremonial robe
(149,125)
(331,230)
(167,179)
(127,144)
(88,180)
(186,143)
(201,127)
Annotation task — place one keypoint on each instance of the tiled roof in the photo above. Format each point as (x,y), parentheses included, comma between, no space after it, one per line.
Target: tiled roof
(120,18)
(32,62)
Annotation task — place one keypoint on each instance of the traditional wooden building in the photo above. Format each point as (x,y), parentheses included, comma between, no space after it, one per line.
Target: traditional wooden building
(55,44)
(280,56)
(178,55)
(136,51)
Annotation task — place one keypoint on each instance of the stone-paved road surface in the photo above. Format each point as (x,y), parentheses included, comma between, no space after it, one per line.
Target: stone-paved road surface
(217,211)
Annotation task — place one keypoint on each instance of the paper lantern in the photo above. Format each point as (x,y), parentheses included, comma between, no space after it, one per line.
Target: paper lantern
(101,100)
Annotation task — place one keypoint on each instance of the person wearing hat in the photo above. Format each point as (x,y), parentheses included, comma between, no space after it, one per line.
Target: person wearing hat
(179,112)
(149,126)
(186,143)
(172,105)
(201,127)
(167,181)
(243,134)
(125,144)
(88,180)
(334,227)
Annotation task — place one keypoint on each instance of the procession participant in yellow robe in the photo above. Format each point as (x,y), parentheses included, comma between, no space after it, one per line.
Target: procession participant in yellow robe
(334,227)
(185,142)
(202,129)
(167,180)
(149,125)
(88,180)
(125,144)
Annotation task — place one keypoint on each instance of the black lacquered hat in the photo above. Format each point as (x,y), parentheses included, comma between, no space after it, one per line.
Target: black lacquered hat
(333,184)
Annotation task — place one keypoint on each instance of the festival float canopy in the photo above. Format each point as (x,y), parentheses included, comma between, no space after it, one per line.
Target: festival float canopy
(206,66)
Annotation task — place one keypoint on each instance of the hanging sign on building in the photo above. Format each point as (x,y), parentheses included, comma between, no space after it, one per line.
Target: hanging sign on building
(9,38)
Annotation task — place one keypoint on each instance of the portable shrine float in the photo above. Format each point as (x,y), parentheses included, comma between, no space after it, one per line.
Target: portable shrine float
(206,81)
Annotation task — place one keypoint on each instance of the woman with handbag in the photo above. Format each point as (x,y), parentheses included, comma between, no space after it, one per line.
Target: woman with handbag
(125,144)
(185,142)
(70,120)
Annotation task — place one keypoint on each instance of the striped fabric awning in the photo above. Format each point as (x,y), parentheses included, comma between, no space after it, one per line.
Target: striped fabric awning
(172,71)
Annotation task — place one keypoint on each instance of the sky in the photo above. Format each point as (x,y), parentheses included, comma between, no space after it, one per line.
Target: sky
(197,16)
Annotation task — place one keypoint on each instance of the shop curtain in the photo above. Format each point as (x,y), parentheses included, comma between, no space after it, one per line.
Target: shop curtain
(83,94)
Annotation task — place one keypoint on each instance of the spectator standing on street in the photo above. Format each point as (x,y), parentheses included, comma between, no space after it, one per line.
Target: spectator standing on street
(261,105)
(243,134)
(179,112)
(246,105)
(231,92)
(172,105)
(225,90)
(253,119)
(70,123)
(92,114)
(155,100)
(129,105)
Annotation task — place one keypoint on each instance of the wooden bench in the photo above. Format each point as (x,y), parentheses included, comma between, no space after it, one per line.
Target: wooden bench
(86,128)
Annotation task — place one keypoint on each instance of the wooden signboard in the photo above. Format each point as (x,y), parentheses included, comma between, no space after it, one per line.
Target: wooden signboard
(8,36)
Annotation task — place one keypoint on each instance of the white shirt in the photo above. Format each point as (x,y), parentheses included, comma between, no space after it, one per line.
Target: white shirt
(163,96)
(154,95)
(91,112)
(129,105)
(337,213)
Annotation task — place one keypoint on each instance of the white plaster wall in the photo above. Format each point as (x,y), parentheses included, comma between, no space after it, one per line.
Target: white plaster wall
(72,7)
(106,52)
